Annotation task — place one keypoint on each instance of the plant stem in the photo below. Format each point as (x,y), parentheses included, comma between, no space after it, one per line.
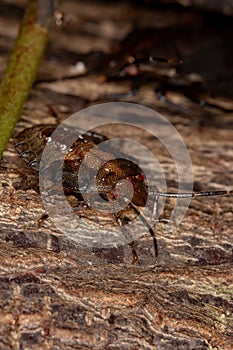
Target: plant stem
(21,71)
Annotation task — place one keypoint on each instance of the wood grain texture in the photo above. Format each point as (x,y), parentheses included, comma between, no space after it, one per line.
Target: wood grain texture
(56,294)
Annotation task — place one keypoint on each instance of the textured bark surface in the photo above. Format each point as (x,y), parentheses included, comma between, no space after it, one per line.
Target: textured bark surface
(56,294)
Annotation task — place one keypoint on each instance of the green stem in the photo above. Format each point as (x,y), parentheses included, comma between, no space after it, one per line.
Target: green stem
(21,71)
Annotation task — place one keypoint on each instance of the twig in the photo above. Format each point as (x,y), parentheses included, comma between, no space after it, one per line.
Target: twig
(21,68)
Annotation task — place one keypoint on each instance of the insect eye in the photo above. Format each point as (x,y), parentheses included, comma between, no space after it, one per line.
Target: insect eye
(140,178)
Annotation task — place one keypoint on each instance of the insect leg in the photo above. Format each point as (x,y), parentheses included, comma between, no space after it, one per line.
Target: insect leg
(42,219)
(131,244)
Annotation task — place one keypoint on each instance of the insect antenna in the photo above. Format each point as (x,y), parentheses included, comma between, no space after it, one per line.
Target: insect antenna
(190,194)
(181,195)
(144,221)
(150,229)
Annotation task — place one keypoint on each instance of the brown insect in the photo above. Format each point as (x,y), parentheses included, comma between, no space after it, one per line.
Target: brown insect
(31,142)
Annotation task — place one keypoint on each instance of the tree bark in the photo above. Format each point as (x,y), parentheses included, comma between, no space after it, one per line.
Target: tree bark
(57,294)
